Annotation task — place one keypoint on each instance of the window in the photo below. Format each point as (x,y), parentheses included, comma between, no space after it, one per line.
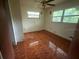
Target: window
(33,14)
(57,16)
(71,19)
(66,16)
(71,15)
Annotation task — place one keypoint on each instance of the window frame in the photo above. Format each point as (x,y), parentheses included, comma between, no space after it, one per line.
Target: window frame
(30,15)
(63,15)
(58,16)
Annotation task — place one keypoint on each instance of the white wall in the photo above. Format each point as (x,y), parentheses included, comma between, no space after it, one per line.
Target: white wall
(15,12)
(62,29)
(30,25)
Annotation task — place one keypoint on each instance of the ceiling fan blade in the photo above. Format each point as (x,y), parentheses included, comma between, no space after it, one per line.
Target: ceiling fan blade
(49,1)
(43,1)
(51,4)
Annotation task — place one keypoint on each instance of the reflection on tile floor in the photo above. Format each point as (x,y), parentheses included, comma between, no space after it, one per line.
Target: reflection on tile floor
(37,46)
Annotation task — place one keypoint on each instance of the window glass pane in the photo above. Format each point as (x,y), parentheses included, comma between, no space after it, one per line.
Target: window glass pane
(71,11)
(58,13)
(71,19)
(56,19)
(77,11)
(33,14)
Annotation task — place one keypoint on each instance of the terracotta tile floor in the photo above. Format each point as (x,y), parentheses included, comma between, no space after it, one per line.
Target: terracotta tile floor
(37,46)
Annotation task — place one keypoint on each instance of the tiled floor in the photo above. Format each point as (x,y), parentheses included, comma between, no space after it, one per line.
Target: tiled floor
(37,45)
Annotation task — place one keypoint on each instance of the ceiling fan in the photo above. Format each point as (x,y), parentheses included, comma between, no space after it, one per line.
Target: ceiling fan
(46,2)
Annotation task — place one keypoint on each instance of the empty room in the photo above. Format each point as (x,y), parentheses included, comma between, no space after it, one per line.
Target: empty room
(39,29)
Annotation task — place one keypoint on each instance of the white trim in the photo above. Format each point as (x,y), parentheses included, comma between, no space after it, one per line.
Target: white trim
(1,56)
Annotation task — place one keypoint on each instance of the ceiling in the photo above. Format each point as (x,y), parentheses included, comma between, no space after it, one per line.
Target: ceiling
(35,4)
